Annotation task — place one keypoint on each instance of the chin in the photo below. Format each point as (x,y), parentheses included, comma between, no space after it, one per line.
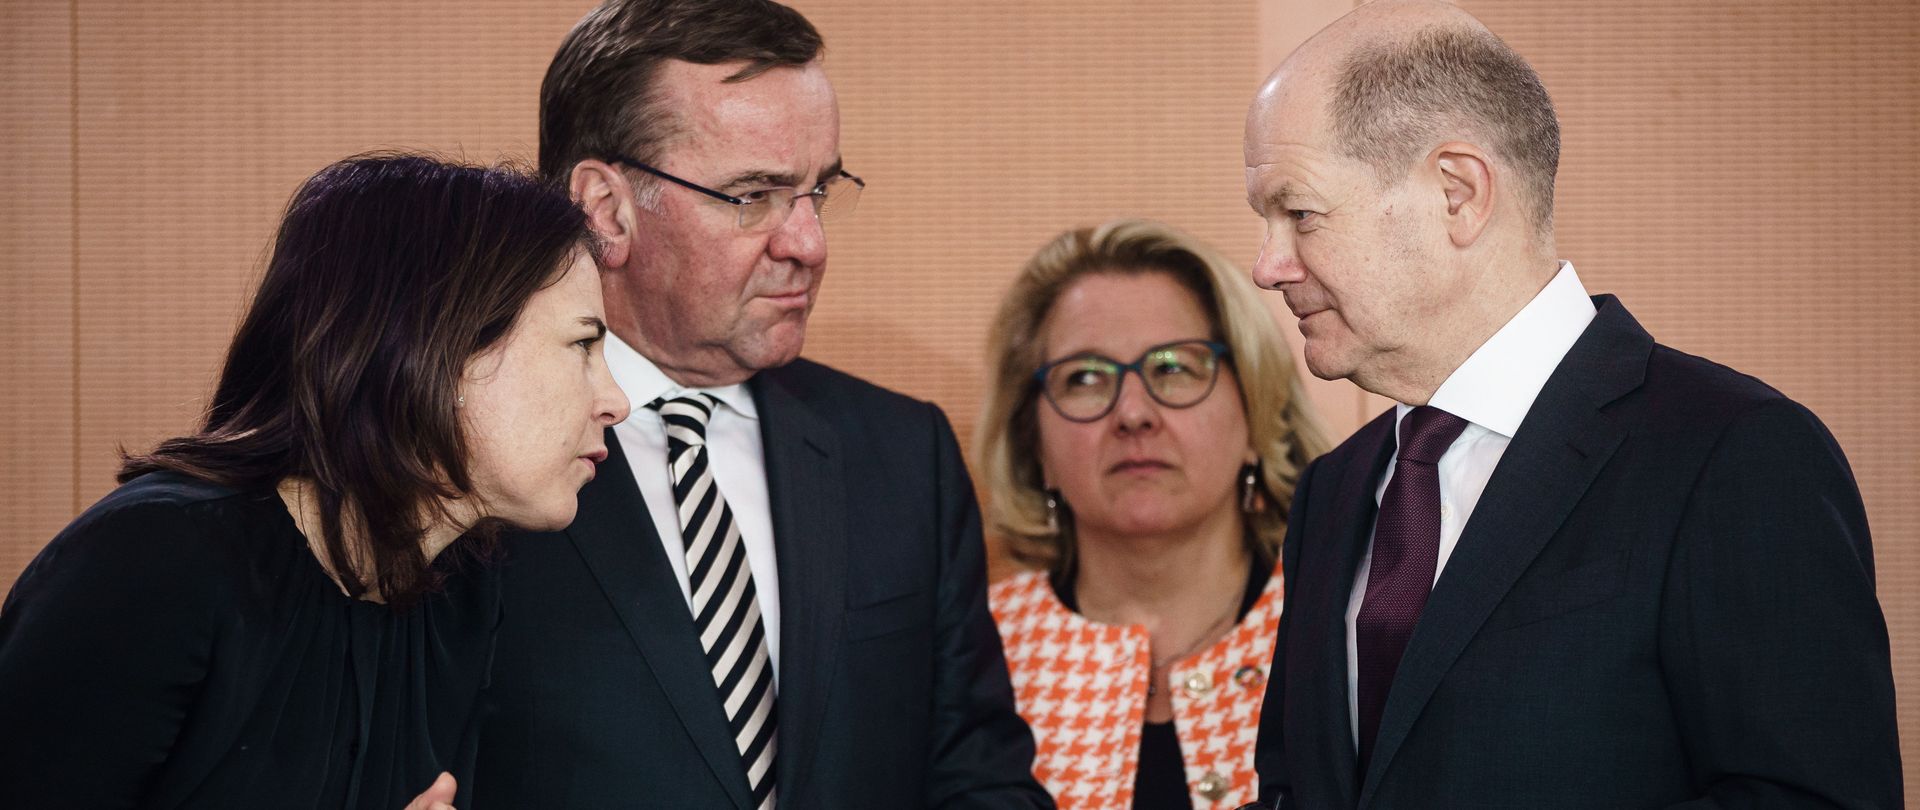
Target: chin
(778,348)
(546,519)
(1327,368)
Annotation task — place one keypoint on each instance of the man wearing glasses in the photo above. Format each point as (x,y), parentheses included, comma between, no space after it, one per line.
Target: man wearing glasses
(775,588)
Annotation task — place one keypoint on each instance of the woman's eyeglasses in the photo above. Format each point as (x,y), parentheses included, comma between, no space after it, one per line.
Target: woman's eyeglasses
(1084,387)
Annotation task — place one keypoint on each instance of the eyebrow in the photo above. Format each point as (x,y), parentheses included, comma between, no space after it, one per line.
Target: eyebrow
(599,326)
(1278,198)
(761,178)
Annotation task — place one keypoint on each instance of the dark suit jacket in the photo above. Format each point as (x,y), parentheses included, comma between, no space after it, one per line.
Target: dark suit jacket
(893,690)
(1664,597)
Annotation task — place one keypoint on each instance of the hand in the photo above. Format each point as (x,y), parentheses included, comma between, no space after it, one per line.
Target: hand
(438,796)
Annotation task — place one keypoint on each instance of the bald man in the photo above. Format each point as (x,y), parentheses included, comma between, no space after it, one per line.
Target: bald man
(1572,567)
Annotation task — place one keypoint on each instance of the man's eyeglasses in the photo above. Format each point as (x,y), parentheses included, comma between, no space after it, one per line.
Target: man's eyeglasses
(768,208)
(1084,387)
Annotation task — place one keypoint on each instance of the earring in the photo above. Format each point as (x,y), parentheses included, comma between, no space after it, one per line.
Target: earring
(1053,511)
(461,402)
(1253,497)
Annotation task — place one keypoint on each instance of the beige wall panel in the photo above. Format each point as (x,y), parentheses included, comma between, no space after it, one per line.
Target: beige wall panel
(197,121)
(1745,176)
(986,128)
(36,278)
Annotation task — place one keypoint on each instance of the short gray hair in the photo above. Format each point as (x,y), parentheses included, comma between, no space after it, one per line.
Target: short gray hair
(1393,100)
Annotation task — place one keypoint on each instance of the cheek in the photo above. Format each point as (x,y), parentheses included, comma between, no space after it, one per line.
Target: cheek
(491,454)
(1216,434)
(1067,451)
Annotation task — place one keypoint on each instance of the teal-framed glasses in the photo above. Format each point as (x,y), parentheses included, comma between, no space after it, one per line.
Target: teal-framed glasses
(1084,387)
(768,208)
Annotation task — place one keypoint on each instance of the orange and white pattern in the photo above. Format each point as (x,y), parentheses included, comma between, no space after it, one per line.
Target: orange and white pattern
(1082,686)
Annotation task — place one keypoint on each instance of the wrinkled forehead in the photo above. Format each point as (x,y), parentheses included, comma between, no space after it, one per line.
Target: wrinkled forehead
(785,114)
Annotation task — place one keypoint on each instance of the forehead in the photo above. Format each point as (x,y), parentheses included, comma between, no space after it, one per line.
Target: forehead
(1122,315)
(1289,149)
(785,117)
(575,293)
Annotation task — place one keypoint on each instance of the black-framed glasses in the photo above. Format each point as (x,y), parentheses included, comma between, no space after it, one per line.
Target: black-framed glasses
(1085,386)
(768,208)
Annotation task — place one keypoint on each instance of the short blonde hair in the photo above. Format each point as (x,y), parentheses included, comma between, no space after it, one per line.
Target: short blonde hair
(1283,432)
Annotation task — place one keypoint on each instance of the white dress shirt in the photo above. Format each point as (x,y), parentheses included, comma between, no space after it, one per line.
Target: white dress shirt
(739,468)
(1492,390)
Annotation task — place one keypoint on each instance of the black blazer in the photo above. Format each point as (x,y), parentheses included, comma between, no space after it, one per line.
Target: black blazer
(893,690)
(1664,597)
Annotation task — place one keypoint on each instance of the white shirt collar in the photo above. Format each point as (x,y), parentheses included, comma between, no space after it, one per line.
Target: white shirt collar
(1498,383)
(644,382)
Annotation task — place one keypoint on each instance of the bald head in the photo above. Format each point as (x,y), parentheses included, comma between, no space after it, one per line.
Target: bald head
(1393,79)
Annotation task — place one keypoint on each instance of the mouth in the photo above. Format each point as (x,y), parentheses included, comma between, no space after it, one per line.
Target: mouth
(593,461)
(1138,465)
(796,299)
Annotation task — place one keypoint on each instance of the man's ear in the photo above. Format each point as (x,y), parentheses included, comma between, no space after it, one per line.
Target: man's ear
(1467,179)
(604,193)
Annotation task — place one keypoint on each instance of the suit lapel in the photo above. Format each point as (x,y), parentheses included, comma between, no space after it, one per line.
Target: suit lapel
(806,491)
(615,535)
(1554,457)
(1349,525)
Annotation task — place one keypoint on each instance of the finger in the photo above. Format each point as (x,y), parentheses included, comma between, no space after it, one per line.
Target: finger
(438,796)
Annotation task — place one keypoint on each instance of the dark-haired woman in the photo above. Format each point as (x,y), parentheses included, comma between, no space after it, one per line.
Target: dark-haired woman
(270,611)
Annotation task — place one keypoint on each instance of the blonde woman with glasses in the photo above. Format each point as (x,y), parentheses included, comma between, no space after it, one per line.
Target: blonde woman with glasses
(1141,444)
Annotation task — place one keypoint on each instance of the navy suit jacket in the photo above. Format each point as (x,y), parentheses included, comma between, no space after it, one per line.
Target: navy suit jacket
(1664,597)
(893,690)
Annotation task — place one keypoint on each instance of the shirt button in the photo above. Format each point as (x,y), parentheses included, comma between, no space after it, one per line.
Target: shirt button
(1446,511)
(1213,786)
(1199,683)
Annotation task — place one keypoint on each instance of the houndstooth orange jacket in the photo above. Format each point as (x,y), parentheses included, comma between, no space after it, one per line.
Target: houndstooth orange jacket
(1082,686)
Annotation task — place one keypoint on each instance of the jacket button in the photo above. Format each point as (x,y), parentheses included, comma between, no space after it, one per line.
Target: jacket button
(1199,683)
(1213,786)
(1249,677)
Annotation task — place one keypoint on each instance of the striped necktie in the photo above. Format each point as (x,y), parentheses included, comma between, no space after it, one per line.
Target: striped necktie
(726,612)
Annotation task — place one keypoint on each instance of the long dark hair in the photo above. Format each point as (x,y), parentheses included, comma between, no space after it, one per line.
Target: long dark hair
(389,273)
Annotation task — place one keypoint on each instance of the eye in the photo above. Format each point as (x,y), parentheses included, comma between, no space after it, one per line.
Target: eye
(1085,377)
(758,195)
(587,343)
(1081,375)
(1301,218)
(1169,364)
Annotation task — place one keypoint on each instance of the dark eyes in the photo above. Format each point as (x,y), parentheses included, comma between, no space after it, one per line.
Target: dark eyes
(1170,367)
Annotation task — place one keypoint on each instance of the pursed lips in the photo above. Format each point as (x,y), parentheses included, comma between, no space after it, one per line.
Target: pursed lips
(1303,310)
(593,460)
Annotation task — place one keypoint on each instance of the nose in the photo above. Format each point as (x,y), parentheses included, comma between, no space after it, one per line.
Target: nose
(1278,263)
(801,239)
(1135,411)
(610,405)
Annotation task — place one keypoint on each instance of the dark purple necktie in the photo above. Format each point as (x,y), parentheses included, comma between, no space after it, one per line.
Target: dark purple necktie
(1406,547)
